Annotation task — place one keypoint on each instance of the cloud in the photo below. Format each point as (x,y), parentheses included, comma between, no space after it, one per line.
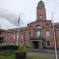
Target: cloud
(11,17)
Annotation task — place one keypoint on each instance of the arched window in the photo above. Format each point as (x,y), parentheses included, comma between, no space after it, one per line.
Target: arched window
(38,27)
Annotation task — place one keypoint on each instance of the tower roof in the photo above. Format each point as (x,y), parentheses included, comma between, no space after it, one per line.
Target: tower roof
(40,2)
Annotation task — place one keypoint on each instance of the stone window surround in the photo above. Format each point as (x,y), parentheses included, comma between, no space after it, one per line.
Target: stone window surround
(49,33)
(46,44)
(36,32)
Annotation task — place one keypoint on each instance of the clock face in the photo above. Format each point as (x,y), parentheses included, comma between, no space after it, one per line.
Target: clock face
(40,10)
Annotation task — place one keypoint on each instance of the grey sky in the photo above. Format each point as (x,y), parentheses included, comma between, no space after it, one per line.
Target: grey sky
(10,10)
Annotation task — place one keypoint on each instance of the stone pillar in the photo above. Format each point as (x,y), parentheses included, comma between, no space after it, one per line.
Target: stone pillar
(31,45)
(38,44)
(41,45)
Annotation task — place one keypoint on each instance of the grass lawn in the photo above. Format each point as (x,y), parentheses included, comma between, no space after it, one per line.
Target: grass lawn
(13,57)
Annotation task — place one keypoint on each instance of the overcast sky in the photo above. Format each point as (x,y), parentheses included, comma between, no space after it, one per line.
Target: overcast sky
(10,10)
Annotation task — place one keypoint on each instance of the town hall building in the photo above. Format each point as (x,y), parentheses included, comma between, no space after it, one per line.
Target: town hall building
(37,35)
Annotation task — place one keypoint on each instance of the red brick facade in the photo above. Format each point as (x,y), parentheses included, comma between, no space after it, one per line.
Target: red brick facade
(46,25)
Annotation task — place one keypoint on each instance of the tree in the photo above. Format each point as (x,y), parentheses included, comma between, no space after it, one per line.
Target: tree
(1,38)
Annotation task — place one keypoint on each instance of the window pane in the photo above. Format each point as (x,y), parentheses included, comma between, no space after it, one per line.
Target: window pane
(58,33)
(47,34)
(6,43)
(13,43)
(38,34)
(22,36)
(10,36)
(48,43)
(40,17)
(14,36)
(7,37)
(21,43)
(40,4)
(9,43)
(29,34)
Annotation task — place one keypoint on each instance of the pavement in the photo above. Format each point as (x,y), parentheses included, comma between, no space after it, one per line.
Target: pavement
(42,55)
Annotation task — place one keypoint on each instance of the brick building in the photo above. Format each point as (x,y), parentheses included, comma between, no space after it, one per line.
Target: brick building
(37,34)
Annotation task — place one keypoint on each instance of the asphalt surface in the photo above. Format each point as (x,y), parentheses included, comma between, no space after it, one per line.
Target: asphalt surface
(42,55)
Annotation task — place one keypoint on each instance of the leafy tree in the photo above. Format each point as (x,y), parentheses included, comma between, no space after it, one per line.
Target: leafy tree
(1,38)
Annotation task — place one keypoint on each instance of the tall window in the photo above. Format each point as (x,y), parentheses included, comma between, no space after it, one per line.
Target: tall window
(6,43)
(4,36)
(9,43)
(48,43)
(38,34)
(13,36)
(40,4)
(10,36)
(3,43)
(47,34)
(21,43)
(7,37)
(21,35)
(13,43)
(17,36)
(40,16)
(29,34)
(58,33)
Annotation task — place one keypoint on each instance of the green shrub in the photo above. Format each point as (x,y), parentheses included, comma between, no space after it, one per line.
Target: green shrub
(21,53)
(9,47)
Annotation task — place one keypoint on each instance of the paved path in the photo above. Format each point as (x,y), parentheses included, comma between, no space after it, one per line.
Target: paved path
(42,55)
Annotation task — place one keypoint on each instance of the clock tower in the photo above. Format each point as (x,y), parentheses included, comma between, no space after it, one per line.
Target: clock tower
(41,11)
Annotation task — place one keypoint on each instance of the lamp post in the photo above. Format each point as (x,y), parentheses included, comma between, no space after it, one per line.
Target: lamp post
(54,37)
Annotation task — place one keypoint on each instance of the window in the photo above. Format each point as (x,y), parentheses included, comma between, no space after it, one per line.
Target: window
(40,10)
(40,4)
(40,16)
(58,33)
(7,37)
(38,27)
(9,43)
(4,36)
(29,34)
(1,35)
(48,43)
(17,36)
(2,43)
(13,36)
(21,43)
(28,43)
(13,43)
(47,34)
(6,43)
(10,36)
(21,35)
(38,34)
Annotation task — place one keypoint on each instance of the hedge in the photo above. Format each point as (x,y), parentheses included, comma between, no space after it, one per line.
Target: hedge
(20,52)
(9,47)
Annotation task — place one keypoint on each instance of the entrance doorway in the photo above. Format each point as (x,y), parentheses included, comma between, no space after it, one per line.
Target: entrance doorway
(35,44)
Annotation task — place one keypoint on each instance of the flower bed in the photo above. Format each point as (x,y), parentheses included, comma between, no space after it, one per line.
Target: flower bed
(20,51)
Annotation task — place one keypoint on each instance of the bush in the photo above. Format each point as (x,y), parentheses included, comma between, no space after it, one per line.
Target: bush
(9,47)
(21,53)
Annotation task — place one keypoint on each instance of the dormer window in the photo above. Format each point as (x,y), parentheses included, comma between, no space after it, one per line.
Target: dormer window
(40,4)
